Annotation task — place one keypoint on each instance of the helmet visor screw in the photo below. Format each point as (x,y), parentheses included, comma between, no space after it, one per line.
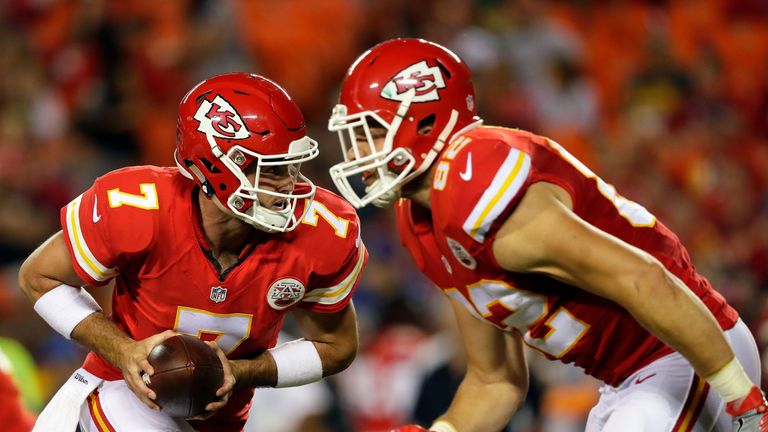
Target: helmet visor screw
(239,158)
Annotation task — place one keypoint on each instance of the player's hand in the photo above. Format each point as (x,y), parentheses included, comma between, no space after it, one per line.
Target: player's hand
(133,362)
(225,391)
(750,413)
(409,428)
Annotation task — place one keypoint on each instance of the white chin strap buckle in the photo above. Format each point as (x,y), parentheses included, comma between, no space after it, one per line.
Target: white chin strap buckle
(386,199)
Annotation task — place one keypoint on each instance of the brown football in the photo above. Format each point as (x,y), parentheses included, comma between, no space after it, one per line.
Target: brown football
(187,375)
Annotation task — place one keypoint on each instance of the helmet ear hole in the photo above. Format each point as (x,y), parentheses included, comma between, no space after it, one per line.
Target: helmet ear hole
(426,125)
(210,166)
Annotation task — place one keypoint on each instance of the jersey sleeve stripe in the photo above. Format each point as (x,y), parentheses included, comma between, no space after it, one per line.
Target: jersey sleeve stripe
(505,185)
(83,255)
(336,293)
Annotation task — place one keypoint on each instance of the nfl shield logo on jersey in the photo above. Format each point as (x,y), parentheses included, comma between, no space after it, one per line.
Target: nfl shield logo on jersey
(218,294)
(284,293)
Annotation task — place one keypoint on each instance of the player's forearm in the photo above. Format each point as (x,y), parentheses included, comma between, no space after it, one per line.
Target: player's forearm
(336,357)
(483,406)
(299,365)
(100,335)
(252,373)
(671,312)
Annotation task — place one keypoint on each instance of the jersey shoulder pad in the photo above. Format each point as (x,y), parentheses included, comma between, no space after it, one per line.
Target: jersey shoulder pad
(332,222)
(332,229)
(480,177)
(118,217)
(332,217)
(133,202)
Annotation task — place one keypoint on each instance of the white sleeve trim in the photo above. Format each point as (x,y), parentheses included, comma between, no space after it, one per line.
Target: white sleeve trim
(83,255)
(334,294)
(505,185)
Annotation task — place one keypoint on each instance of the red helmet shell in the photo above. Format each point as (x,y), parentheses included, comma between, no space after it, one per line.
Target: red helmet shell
(380,78)
(235,109)
(232,127)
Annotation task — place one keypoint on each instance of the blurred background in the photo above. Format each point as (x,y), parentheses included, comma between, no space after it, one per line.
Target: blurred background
(666,100)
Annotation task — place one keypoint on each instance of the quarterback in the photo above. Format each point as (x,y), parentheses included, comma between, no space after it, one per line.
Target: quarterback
(219,248)
(532,247)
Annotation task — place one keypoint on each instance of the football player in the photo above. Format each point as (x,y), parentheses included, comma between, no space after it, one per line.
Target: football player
(221,247)
(532,247)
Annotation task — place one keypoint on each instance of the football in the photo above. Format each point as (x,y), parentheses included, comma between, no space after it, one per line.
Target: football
(187,374)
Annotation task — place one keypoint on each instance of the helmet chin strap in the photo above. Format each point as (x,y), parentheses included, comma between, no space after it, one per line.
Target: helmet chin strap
(436,149)
(257,220)
(386,178)
(183,169)
(388,198)
(205,185)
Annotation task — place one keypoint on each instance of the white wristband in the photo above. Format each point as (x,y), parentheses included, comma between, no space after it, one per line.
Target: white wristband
(298,363)
(442,426)
(64,307)
(731,382)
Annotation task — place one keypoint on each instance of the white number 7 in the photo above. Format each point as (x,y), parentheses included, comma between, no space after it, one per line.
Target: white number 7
(338,224)
(147,200)
(230,330)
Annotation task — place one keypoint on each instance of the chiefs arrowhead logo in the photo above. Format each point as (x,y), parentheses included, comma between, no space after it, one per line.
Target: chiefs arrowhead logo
(285,292)
(424,80)
(220,120)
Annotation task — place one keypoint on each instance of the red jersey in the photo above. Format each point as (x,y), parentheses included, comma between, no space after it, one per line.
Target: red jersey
(480,179)
(140,226)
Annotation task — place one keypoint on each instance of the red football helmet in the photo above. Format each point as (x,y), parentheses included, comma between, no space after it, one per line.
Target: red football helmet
(402,85)
(234,128)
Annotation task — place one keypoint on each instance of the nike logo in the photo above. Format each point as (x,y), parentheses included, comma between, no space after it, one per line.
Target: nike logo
(96,215)
(467,174)
(640,380)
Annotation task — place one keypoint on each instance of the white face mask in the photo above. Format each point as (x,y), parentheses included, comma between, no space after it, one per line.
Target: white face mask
(385,196)
(257,214)
(385,190)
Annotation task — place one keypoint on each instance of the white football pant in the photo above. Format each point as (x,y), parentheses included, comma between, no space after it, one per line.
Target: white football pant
(113,407)
(667,396)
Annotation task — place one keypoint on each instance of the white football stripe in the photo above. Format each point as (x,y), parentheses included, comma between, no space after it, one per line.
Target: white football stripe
(83,255)
(340,291)
(505,185)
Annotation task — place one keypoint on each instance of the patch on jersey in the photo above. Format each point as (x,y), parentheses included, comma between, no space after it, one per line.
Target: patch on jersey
(423,79)
(220,120)
(218,294)
(462,256)
(285,292)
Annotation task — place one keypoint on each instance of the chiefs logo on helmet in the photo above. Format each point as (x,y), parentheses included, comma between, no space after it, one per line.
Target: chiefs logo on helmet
(425,80)
(219,119)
